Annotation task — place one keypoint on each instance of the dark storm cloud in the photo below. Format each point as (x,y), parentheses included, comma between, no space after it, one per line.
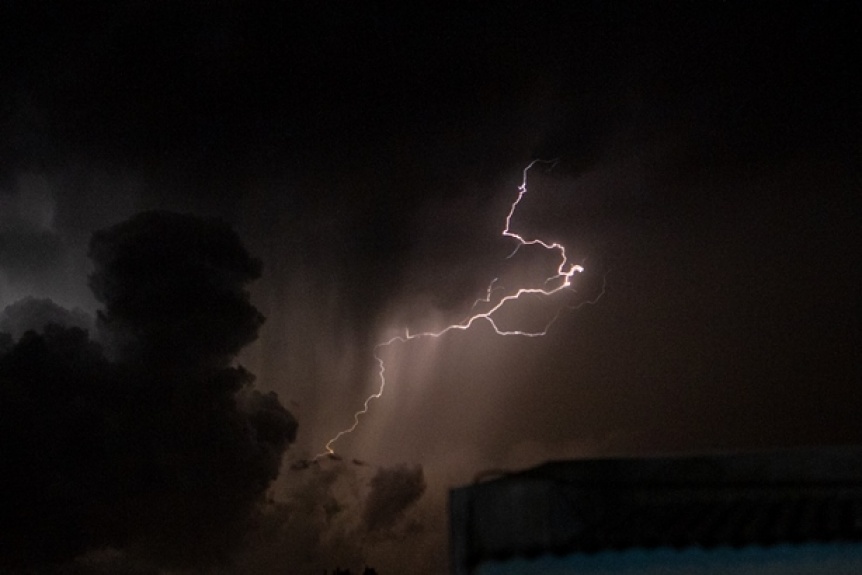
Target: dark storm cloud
(340,110)
(177,284)
(393,491)
(58,483)
(334,513)
(309,527)
(708,158)
(192,96)
(35,313)
(163,454)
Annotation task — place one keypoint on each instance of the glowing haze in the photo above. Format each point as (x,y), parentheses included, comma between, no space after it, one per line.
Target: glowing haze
(560,280)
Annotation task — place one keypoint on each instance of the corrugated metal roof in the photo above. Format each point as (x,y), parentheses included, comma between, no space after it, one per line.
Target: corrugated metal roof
(790,496)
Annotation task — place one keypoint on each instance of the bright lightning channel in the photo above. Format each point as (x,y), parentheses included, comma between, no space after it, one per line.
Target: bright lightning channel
(559,281)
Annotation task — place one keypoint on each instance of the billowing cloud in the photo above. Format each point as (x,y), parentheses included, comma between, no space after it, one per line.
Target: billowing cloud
(162,453)
(330,514)
(393,491)
(175,284)
(35,313)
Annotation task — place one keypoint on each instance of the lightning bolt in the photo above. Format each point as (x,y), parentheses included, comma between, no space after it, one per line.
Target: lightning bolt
(559,281)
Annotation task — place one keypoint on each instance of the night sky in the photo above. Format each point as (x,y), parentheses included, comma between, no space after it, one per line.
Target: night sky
(236,201)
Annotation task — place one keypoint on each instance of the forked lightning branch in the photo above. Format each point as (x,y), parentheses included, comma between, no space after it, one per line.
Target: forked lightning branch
(558,280)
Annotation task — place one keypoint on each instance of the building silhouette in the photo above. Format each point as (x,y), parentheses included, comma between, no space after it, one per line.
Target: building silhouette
(788,511)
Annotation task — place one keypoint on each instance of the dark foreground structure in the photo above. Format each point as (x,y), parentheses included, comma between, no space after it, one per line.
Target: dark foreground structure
(790,511)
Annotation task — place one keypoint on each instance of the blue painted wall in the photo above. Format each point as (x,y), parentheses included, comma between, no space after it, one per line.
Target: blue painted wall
(808,559)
